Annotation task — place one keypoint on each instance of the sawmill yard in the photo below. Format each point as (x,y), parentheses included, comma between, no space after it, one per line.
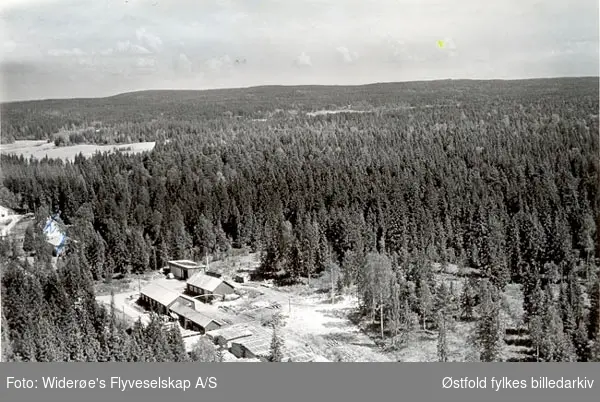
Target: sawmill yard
(309,321)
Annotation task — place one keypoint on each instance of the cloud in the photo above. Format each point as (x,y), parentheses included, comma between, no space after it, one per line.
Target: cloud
(383,40)
(151,41)
(128,47)
(448,43)
(346,55)
(183,63)
(145,62)
(447,47)
(12,4)
(8,46)
(86,61)
(219,64)
(399,50)
(145,65)
(303,60)
(66,52)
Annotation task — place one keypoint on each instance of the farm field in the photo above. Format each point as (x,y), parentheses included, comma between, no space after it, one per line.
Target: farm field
(40,149)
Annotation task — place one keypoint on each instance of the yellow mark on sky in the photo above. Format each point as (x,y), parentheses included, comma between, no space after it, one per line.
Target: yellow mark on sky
(440,44)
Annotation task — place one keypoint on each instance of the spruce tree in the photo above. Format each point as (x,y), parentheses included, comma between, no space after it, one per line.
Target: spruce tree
(468,300)
(594,350)
(276,350)
(220,355)
(176,344)
(594,314)
(425,301)
(489,326)
(555,346)
(443,302)
(442,341)
(581,343)
(138,347)
(29,240)
(203,351)
(536,334)
(6,354)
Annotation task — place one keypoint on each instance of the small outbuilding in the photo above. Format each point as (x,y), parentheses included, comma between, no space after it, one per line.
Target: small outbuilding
(184,269)
(242,277)
(191,319)
(258,346)
(224,336)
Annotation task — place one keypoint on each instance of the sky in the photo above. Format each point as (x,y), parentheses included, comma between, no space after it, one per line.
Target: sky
(94,48)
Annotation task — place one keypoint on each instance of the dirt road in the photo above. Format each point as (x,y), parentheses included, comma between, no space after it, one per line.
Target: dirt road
(123,306)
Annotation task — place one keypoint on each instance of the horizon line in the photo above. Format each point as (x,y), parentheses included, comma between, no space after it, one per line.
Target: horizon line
(133,91)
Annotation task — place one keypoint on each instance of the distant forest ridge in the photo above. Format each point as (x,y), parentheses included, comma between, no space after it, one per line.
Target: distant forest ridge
(41,119)
(376,87)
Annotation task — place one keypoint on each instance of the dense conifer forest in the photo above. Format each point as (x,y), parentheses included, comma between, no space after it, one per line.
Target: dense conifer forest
(500,177)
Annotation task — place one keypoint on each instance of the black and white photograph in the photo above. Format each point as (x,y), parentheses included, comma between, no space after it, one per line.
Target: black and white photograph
(299,181)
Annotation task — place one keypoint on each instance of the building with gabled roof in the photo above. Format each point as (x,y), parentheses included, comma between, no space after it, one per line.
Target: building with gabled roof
(192,303)
(224,336)
(158,298)
(202,284)
(194,320)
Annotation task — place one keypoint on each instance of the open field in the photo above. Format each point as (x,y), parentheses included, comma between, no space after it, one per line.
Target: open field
(14,225)
(40,149)
(326,112)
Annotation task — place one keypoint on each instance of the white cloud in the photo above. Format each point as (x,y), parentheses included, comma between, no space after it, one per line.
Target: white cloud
(271,34)
(86,61)
(145,62)
(183,63)
(149,40)
(219,64)
(303,60)
(400,51)
(8,46)
(448,43)
(128,47)
(346,55)
(11,4)
(66,52)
